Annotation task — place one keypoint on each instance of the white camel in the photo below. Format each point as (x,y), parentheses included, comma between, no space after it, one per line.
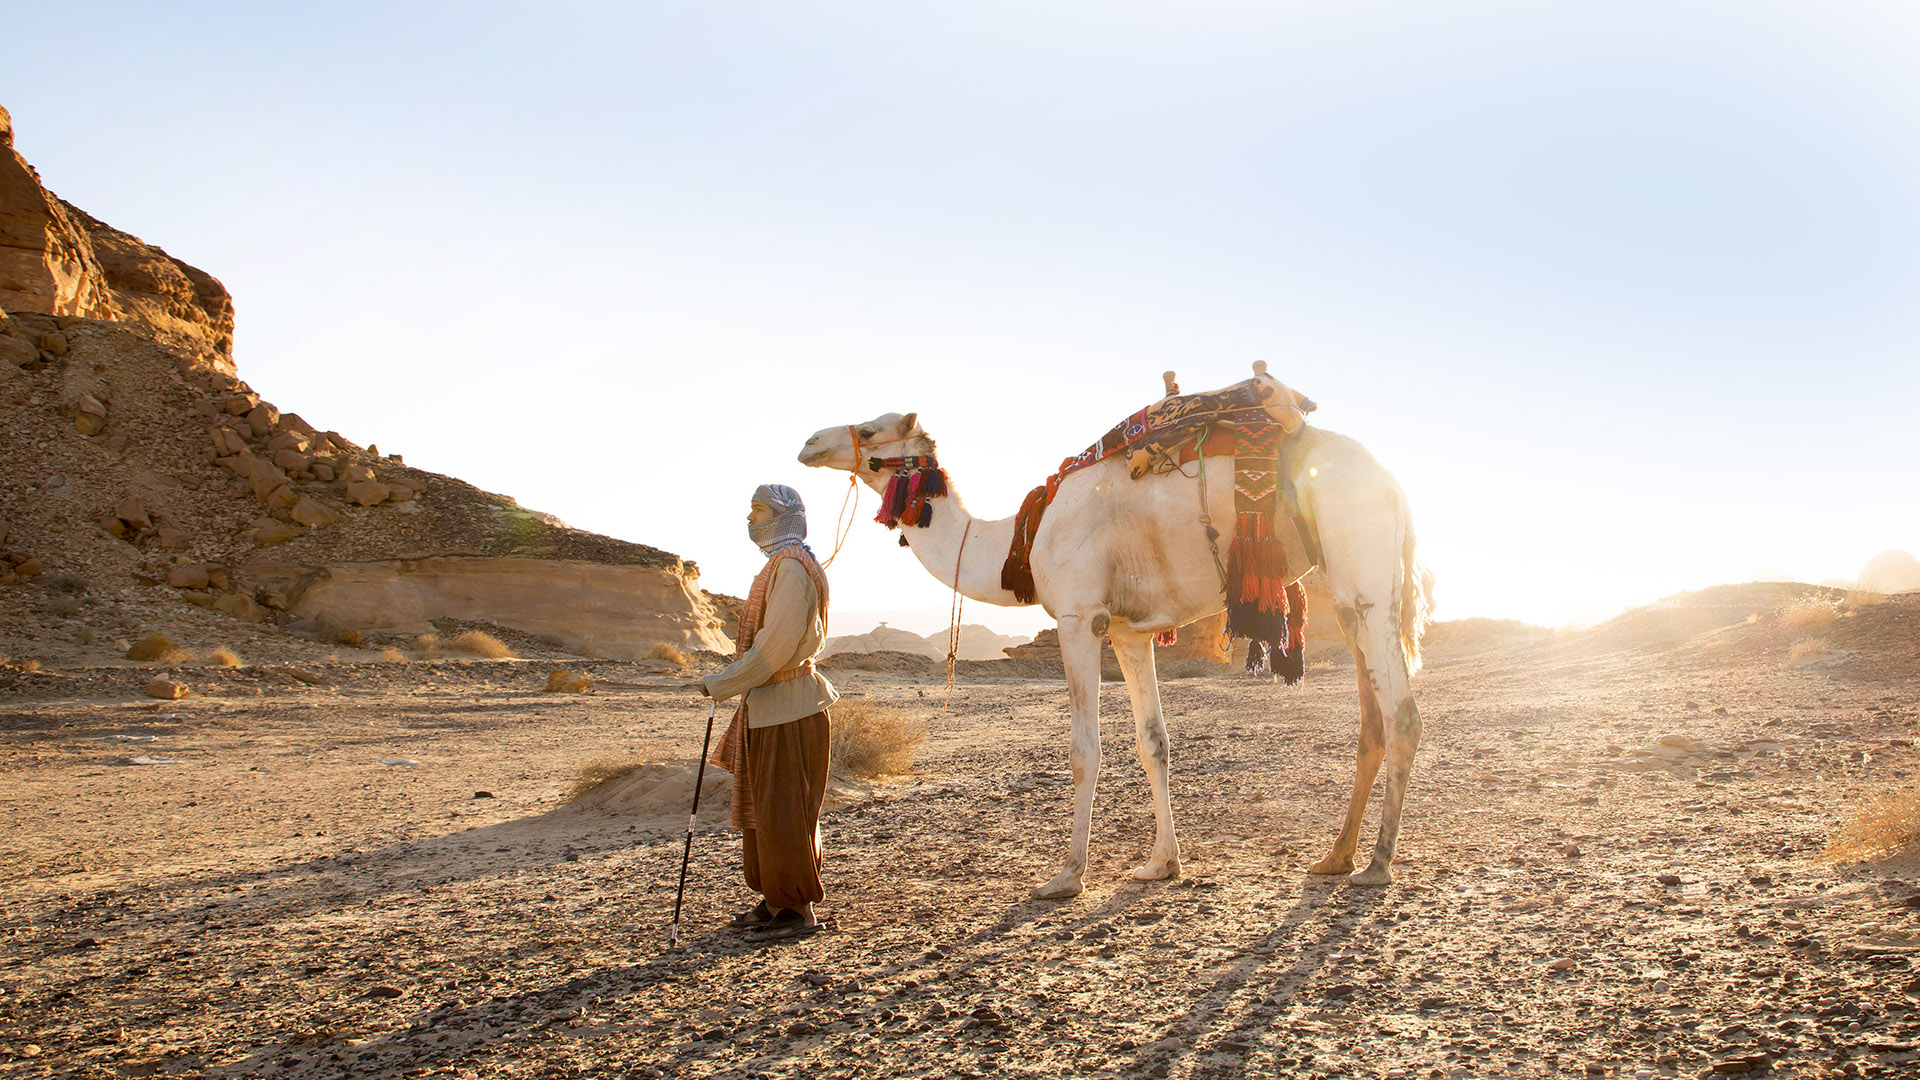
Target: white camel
(1128,558)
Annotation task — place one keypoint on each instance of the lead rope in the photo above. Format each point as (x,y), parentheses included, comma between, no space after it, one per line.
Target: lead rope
(1213,534)
(849,503)
(953,614)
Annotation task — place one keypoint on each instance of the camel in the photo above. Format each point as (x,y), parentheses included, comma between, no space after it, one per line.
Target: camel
(1128,558)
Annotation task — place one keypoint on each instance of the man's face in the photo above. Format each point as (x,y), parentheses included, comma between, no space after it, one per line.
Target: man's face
(758,513)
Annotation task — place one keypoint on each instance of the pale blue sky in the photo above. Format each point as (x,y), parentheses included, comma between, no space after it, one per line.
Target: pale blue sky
(1624,293)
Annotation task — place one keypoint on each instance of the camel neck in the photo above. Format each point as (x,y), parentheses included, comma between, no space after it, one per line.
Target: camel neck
(938,546)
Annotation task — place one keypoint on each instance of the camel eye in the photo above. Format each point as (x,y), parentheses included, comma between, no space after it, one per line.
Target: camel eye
(867,432)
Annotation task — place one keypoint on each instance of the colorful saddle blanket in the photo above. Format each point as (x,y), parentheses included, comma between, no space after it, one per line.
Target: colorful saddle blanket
(1263,603)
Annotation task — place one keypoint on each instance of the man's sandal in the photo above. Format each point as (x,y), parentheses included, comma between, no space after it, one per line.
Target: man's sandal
(787,924)
(756,916)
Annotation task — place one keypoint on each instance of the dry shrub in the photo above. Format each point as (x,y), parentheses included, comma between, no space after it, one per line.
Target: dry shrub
(1864,598)
(567,681)
(873,740)
(1807,651)
(157,648)
(427,645)
(392,655)
(223,657)
(598,771)
(667,650)
(1885,825)
(481,643)
(1809,613)
(350,637)
(29,666)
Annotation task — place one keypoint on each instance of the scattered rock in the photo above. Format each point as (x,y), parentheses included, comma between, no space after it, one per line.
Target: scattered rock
(240,607)
(312,513)
(167,689)
(187,576)
(368,492)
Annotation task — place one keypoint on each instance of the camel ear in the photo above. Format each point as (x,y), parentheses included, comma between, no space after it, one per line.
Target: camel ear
(1259,367)
(907,423)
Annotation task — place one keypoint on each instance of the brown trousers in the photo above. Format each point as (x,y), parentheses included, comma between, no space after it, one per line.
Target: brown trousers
(781,855)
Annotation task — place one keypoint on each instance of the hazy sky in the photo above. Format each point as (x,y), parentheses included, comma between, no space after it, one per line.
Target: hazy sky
(1624,293)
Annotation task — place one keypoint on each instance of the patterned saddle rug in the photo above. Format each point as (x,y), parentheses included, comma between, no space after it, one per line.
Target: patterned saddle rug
(1264,603)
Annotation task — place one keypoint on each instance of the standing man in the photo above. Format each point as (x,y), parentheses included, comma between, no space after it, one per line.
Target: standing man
(776,746)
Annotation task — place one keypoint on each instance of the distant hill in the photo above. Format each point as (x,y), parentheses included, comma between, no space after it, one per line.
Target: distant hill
(976,643)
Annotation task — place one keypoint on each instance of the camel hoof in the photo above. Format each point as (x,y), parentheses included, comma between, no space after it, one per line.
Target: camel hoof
(1377,874)
(1062,886)
(1332,865)
(1157,870)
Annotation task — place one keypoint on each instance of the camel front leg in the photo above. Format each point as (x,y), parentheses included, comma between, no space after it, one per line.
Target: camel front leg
(1135,652)
(1080,653)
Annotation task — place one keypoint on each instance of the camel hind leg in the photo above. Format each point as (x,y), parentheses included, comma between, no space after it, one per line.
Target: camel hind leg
(1135,653)
(1389,717)
(1379,597)
(1373,749)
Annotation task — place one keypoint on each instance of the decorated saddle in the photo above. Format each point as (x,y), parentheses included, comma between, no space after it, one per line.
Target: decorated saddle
(1248,420)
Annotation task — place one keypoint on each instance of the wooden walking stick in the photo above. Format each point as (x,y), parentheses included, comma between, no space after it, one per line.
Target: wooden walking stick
(686,853)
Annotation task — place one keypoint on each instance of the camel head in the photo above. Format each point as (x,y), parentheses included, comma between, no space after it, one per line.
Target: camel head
(889,435)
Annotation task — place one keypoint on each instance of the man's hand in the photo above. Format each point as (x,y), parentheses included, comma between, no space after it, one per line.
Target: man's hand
(698,686)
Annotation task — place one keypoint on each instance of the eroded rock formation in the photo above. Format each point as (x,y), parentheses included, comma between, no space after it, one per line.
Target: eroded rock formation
(56,259)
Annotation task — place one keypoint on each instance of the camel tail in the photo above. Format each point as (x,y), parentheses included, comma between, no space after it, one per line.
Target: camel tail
(1416,593)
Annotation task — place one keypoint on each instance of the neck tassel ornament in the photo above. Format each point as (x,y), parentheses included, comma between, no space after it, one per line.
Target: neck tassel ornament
(905,501)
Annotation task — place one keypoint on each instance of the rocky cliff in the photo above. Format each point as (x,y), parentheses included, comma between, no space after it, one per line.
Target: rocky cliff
(145,488)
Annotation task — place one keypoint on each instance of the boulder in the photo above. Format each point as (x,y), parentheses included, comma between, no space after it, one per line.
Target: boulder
(30,568)
(18,350)
(167,689)
(89,415)
(187,576)
(356,473)
(172,539)
(134,512)
(368,492)
(240,607)
(289,440)
(400,492)
(118,441)
(197,597)
(238,404)
(227,441)
(293,461)
(322,472)
(113,526)
(261,419)
(155,647)
(281,498)
(312,513)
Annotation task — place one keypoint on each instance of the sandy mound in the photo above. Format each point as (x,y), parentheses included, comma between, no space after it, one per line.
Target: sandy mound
(659,793)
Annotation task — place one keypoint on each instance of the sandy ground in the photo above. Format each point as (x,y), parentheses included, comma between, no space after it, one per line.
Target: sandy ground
(316,888)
